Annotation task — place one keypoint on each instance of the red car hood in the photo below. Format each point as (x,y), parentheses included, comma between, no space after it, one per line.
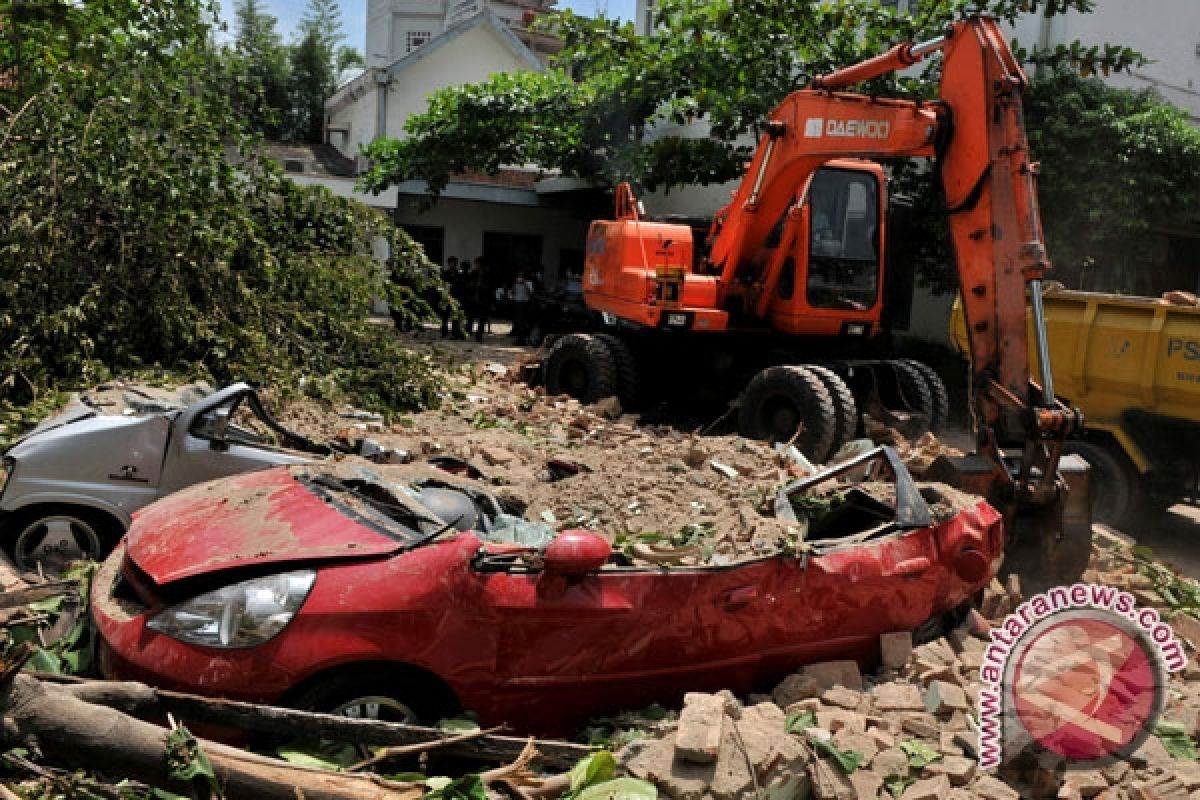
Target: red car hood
(265,517)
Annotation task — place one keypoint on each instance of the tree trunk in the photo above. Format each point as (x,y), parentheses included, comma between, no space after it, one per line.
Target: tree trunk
(72,731)
(146,702)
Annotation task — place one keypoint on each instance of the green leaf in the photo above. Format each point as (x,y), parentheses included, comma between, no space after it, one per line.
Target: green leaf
(1175,739)
(797,722)
(44,660)
(333,757)
(408,777)
(458,725)
(620,789)
(468,787)
(847,760)
(898,783)
(1142,552)
(186,760)
(919,754)
(596,768)
(50,605)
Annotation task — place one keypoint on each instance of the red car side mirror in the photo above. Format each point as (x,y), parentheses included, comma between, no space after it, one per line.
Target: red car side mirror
(575,552)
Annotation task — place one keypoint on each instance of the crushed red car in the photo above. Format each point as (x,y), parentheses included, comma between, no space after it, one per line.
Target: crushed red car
(398,592)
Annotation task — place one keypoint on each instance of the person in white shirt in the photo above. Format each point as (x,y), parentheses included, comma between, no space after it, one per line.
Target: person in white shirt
(522,294)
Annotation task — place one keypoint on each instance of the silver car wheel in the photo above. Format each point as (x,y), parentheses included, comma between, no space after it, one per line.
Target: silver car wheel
(54,542)
(378,707)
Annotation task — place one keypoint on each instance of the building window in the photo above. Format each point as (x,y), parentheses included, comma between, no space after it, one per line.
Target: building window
(414,39)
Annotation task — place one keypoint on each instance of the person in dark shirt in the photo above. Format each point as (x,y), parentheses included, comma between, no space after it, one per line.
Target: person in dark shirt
(478,294)
(454,277)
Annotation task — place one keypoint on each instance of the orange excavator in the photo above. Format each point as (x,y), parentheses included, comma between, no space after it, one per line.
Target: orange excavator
(792,276)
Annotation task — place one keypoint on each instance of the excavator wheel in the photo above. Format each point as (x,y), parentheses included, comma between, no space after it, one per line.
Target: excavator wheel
(937,393)
(582,366)
(1113,483)
(844,407)
(915,391)
(628,383)
(779,401)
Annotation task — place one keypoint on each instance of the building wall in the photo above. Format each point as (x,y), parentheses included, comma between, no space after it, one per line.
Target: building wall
(1166,31)
(353,125)
(473,56)
(391,22)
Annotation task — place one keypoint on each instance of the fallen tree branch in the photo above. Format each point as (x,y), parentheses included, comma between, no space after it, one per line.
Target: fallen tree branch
(397,751)
(15,598)
(514,776)
(62,781)
(72,731)
(147,702)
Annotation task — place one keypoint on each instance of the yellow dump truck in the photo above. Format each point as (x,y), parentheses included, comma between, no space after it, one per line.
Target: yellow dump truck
(1132,366)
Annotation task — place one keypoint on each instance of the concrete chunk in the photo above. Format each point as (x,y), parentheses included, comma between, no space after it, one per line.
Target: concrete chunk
(959,770)
(892,761)
(937,652)
(921,725)
(930,789)
(895,649)
(1161,787)
(794,688)
(829,783)
(986,787)
(1116,773)
(1152,753)
(1186,626)
(1088,782)
(943,697)
(698,738)
(866,784)
(842,697)
(834,721)
(897,696)
(856,742)
(835,673)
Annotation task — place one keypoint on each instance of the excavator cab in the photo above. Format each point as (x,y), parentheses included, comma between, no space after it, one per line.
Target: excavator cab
(831,283)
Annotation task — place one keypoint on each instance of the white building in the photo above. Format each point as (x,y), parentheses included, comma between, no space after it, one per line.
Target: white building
(515,220)
(1165,31)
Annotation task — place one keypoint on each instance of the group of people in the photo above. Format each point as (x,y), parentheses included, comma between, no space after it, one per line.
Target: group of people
(481,295)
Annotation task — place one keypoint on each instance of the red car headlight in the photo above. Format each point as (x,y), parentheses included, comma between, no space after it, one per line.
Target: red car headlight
(244,614)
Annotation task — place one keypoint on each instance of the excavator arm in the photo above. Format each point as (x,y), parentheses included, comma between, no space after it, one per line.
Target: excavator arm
(975,133)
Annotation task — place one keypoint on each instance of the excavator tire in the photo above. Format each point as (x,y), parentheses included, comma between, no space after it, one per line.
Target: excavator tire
(582,366)
(1113,483)
(844,408)
(937,392)
(915,390)
(781,400)
(628,383)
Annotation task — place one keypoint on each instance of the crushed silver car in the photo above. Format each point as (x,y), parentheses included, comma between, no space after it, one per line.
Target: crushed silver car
(70,486)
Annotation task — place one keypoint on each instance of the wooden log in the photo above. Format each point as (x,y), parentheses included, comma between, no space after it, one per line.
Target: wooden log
(72,731)
(147,702)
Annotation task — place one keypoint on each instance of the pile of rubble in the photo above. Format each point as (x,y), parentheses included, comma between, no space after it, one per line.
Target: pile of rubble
(592,466)
(909,730)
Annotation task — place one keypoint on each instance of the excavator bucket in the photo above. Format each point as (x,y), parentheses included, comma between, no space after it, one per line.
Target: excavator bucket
(1045,545)
(891,397)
